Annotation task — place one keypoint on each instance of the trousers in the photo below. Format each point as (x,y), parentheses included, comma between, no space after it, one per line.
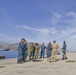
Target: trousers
(42,53)
(54,54)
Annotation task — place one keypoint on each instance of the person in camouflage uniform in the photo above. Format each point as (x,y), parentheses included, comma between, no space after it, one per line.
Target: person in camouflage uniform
(37,48)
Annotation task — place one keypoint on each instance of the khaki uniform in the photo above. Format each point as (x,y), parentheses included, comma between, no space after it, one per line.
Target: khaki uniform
(31,51)
(37,52)
(26,53)
(54,51)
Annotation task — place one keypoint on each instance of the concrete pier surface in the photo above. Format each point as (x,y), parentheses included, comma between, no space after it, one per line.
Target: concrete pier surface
(43,67)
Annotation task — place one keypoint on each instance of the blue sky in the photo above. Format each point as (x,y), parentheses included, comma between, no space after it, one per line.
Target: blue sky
(38,21)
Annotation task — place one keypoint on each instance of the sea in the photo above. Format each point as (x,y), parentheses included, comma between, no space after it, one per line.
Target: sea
(14,54)
(9,54)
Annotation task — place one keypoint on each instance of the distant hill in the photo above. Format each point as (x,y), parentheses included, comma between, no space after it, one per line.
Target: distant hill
(12,46)
(2,43)
(5,45)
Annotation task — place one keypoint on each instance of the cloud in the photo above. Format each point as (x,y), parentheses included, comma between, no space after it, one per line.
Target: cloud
(13,39)
(44,31)
(51,33)
(48,33)
(1,34)
(9,39)
(56,18)
(71,19)
(7,22)
(69,33)
(71,14)
(41,34)
(26,27)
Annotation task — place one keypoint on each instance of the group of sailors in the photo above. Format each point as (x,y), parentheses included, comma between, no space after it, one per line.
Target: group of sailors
(36,51)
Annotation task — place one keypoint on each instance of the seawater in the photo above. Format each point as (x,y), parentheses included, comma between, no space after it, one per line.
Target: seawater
(9,54)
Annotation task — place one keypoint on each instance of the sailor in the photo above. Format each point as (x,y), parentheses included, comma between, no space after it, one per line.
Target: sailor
(37,48)
(33,56)
(49,50)
(42,50)
(31,51)
(26,52)
(54,50)
(21,49)
(64,50)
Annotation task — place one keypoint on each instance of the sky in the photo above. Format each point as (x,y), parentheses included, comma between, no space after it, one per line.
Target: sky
(38,21)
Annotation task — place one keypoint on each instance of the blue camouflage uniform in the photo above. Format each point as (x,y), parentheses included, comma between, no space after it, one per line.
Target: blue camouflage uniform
(21,51)
(49,51)
(43,51)
(64,51)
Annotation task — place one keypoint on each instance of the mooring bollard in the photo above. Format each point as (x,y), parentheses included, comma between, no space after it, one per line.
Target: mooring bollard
(2,57)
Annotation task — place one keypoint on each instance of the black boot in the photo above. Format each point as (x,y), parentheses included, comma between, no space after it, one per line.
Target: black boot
(65,58)
(18,61)
(62,59)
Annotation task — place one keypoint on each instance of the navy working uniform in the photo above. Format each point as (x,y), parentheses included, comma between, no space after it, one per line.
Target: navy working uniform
(49,51)
(43,51)
(64,51)
(21,51)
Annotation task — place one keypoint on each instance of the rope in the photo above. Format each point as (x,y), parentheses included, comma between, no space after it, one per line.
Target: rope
(59,50)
